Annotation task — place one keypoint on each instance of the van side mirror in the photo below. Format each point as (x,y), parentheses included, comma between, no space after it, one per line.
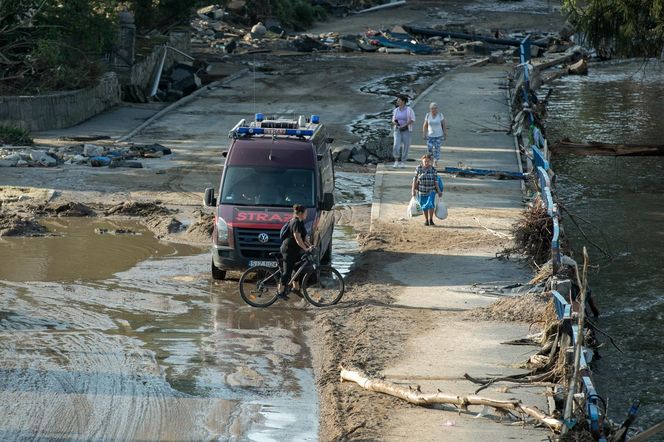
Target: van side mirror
(329,140)
(210,200)
(224,153)
(328,201)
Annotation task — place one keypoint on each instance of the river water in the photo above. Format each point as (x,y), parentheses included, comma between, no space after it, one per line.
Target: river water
(618,202)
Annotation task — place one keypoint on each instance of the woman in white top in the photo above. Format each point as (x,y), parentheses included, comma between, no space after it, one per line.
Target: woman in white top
(434,131)
(403,118)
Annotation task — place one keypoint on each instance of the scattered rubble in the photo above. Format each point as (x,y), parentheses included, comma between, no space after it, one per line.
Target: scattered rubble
(103,231)
(112,155)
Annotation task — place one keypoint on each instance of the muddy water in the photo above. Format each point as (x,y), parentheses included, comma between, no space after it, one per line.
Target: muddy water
(619,204)
(109,334)
(79,248)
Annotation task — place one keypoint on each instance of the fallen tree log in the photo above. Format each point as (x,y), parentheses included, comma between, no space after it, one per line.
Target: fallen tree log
(418,398)
(429,32)
(597,148)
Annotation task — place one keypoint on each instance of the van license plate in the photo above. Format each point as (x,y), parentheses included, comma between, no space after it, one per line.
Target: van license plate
(263,263)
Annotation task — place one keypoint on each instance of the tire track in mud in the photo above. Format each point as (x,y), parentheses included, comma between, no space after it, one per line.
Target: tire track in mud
(154,353)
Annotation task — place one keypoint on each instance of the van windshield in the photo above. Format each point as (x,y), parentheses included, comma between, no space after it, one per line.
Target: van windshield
(267,186)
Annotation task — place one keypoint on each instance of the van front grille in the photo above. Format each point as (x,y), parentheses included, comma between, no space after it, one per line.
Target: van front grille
(249,245)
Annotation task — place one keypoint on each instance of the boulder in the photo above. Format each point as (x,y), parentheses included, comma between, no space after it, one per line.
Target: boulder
(347,45)
(497,57)
(10,160)
(41,158)
(304,43)
(92,150)
(360,156)
(342,153)
(258,30)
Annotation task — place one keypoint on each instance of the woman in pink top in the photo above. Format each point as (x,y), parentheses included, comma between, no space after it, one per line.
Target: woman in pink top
(402,120)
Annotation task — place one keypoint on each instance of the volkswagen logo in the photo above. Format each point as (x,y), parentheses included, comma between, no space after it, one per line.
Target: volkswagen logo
(263,238)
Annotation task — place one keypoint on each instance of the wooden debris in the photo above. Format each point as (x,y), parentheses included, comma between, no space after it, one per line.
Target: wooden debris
(597,148)
(578,68)
(414,396)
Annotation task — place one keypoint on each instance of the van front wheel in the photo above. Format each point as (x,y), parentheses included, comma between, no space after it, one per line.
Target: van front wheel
(217,273)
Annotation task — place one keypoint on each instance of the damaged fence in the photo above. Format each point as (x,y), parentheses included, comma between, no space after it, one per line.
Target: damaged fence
(581,397)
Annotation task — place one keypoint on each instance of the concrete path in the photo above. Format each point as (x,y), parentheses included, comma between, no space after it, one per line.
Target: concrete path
(447,282)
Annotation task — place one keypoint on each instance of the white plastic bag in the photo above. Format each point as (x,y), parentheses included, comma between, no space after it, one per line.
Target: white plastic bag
(414,208)
(441,208)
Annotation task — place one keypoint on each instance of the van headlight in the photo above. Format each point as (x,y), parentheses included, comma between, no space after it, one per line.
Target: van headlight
(222,232)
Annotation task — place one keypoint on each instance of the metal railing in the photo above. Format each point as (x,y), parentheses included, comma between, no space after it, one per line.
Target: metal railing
(564,311)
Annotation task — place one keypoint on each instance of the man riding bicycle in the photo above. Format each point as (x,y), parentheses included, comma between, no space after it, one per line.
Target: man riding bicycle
(292,248)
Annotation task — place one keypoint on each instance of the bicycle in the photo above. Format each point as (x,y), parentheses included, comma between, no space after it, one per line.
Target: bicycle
(322,286)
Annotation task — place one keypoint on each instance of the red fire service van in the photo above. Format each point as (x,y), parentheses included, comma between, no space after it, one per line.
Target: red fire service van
(271,165)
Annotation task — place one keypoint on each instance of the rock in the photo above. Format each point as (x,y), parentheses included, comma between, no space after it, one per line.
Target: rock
(258,30)
(92,150)
(78,159)
(304,43)
(497,57)
(342,153)
(346,45)
(10,160)
(22,163)
(42,158)
(360,156)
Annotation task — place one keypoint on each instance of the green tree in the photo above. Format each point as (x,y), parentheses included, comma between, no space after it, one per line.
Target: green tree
(154,13)
(53,44)
(58,44)
(629,28)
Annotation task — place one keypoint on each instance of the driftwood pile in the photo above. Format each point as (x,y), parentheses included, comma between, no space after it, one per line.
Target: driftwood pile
(532,234)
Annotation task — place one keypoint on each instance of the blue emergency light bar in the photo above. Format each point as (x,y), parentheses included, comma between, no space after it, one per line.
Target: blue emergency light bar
(274,131)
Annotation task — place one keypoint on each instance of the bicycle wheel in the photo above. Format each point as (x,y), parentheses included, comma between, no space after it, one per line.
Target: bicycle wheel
(323,287)
(258,286)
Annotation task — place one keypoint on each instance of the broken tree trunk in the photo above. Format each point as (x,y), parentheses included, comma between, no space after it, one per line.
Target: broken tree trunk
(418,398)
(597,148)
